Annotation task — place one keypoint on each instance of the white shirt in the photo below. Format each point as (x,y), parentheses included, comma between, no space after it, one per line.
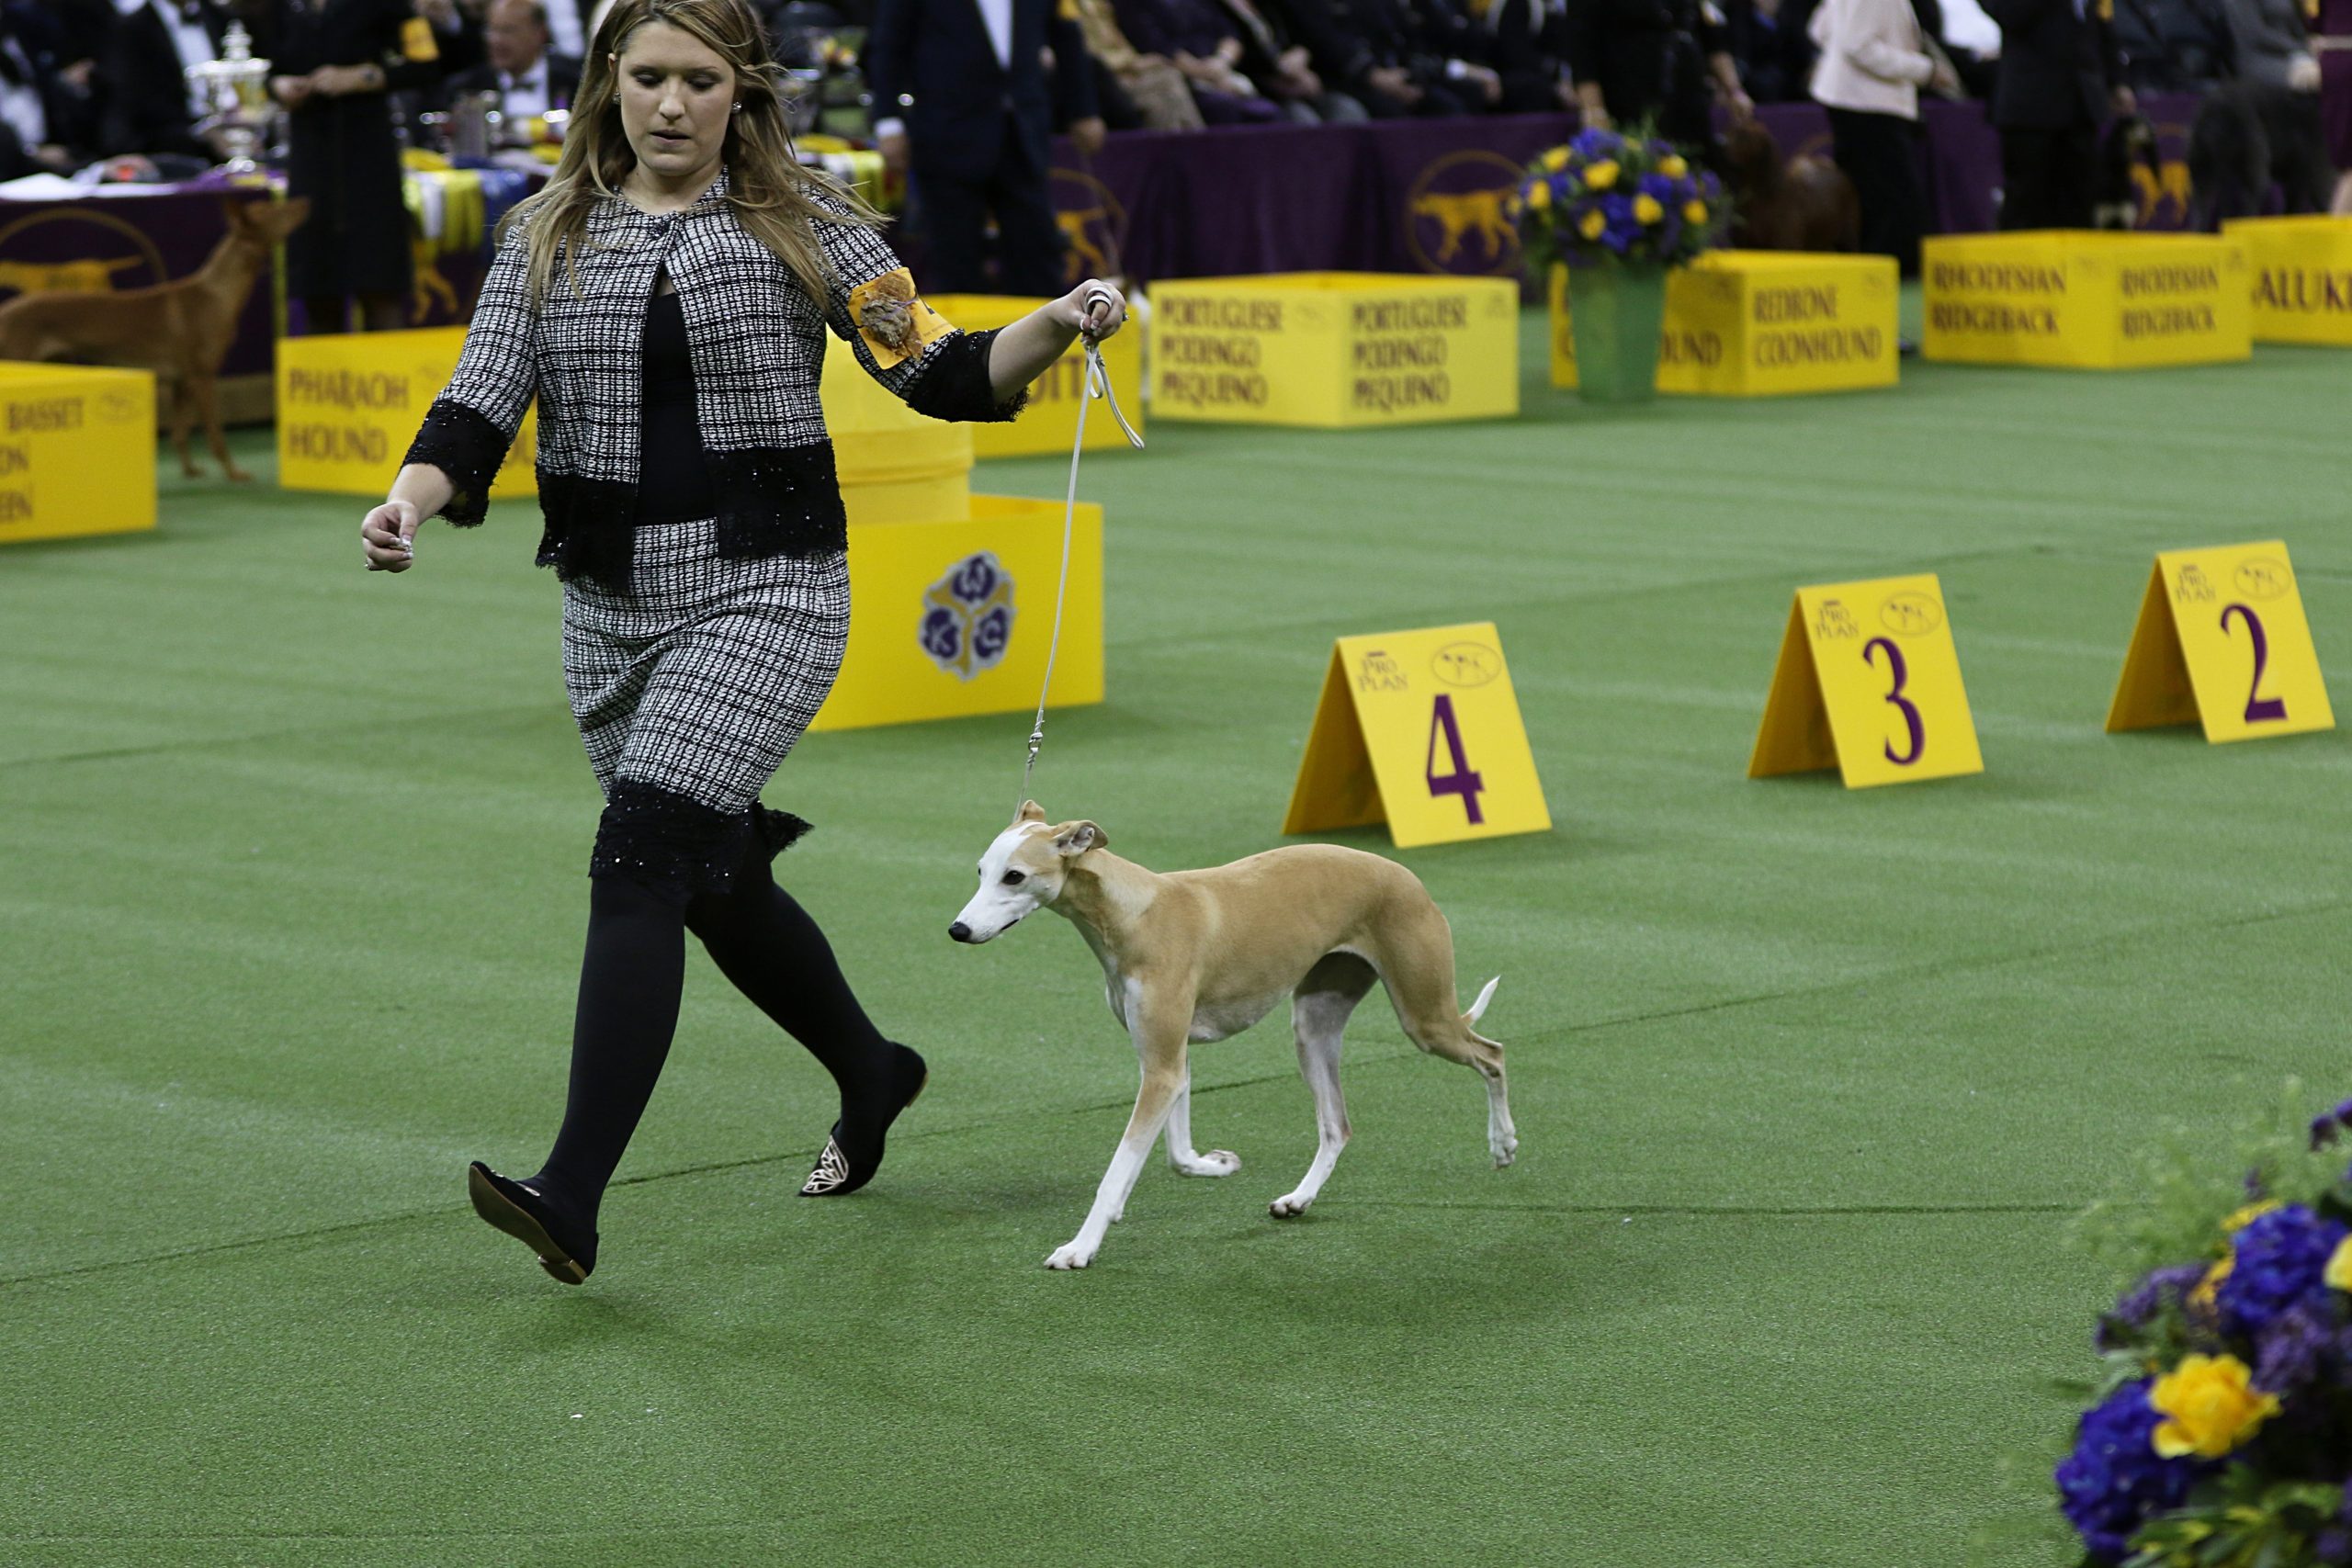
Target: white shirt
(522,96)
(20,106)
(564,33)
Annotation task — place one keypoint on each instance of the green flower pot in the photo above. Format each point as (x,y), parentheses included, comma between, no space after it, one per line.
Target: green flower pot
(1616,312)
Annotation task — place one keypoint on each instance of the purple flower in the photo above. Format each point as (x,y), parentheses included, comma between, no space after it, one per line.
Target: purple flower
(1659,188)
(2114,1481)
(2165,1288)
(2335,1543)
(1624,228)
(1593,145)
(2281,1258)
(2289,1350)
(2324,1129)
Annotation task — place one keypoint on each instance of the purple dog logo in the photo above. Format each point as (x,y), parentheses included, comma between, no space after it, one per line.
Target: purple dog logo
(967,617)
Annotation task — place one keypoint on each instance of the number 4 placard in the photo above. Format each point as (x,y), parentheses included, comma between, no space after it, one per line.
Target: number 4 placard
(1421,729)
(2222,637)
(1867,683)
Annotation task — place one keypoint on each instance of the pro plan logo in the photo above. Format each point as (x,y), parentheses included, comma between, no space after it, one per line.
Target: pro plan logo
(967,617)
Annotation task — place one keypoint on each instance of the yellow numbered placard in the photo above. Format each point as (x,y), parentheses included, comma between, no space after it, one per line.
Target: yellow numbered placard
(1421,730)
(2222,639)
(1867,683)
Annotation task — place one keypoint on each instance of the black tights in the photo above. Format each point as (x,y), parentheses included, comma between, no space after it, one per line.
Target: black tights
(629,982)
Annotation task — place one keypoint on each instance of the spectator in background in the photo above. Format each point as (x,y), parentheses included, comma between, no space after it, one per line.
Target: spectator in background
(2171,46)
(964,107)
(1528,47)
(2059,79)
(151,104)
(1201,39)
(1391,59)
(1768,44)
(1284,66)
(38,111)
(333,63)
(1875,56)
(2335,45)
(1136,91)
(528,80)
(1668,62)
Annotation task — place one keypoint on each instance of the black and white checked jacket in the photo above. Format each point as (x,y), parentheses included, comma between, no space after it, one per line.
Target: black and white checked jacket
(756,342)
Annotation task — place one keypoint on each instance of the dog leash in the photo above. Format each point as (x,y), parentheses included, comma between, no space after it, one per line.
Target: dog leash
(1098,384)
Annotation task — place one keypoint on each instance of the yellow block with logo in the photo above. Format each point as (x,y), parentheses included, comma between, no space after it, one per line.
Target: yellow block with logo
(953,618)
(1050,421)
(2221,640)
(77,451)
(349,403)
(2087,299)
(1335,349)
(1763,324)
(1419,729)
(1867,683)
(895,464)
(2302,277)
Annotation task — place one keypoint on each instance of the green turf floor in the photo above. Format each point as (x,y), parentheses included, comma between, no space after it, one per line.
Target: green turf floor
(1808,1083)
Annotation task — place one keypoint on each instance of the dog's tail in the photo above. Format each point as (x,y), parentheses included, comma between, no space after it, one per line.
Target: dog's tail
(1478,1007)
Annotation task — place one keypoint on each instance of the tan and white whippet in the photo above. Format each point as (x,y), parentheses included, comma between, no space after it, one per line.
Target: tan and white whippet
(1193,956)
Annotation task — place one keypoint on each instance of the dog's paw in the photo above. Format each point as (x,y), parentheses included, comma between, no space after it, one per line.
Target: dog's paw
(1073,1255)
(1216,1162)
(1289,1205)
(1505,1150)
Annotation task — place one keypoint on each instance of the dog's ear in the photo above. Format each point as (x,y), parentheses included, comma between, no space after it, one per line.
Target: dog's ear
(1072,840)
(1030,812)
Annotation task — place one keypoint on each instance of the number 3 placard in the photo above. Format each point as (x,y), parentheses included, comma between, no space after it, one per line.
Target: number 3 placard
(1869,683)
(2222,639)
(1421,730)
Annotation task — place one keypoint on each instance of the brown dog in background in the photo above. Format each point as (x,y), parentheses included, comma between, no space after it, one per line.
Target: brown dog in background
(179,329)
(1795,204)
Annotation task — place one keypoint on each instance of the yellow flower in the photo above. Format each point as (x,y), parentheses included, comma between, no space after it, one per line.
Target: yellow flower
(1673,167)
(2339,1267)
(2247,1215)
(1601,176)
(1539,195)
(1694,212)
(1592,224)
(2212,1404)
(1646,210)
(2202,1296)
(1555,160)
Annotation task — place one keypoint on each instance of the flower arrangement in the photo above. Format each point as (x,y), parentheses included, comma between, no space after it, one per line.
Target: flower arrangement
(1607,196)
(2223,1437)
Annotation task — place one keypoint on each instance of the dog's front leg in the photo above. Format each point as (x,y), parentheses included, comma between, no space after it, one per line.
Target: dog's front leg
(1160,1033)
(1187,1160)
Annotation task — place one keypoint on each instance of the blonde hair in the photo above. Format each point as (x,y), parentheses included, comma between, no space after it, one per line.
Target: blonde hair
(774,197)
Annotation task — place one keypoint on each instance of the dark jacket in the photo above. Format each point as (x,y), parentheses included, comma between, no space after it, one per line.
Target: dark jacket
(1648,57)
(146,92)
(2057,67)
(930,63)
(563,80)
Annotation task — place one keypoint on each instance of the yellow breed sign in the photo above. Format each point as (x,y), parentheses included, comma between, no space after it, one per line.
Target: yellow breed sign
(2302,277)
(77,451)
(1419,729)
(348,405)
(2087,299)
(1335,349)
(2222,639)
(1050,421)
(1763,324)
(1867,682)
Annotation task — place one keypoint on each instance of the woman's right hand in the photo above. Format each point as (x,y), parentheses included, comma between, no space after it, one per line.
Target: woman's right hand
(389,535)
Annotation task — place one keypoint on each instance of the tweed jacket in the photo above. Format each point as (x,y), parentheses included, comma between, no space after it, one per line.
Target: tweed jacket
(757,341)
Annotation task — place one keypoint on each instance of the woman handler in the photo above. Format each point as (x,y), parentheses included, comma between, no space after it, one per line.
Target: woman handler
(667,299)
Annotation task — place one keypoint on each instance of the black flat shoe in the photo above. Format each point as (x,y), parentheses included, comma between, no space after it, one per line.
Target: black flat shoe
(522,1214)
(842,1171)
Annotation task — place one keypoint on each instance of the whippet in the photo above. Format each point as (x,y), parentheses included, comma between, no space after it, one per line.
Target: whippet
(1193,956)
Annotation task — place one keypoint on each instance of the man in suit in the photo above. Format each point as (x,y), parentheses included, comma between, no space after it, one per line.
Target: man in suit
(964,107)
(150,105)
(2058,79)
(528,79)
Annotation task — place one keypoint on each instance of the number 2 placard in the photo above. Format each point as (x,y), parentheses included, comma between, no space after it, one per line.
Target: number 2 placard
(2222,639)
(1869,683)
(1421,730)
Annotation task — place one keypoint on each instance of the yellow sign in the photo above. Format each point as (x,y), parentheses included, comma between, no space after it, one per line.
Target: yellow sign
(1335,349)
(348,405)
(2088,298)
(2302,277)
(894,465)
(2222,639)
(1867,683)
(77,451)
(952,618)
(1421,730)
(1763,324)
(1050,421)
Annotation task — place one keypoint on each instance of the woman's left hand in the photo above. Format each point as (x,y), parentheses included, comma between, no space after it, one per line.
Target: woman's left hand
(1096,309)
